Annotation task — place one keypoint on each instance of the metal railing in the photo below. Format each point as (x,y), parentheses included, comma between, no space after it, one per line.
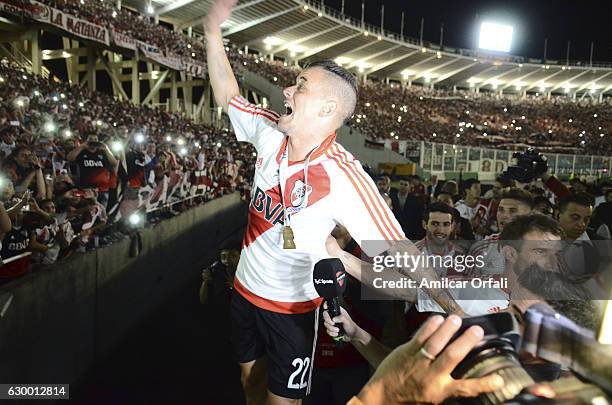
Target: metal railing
(22,60)
(446,157)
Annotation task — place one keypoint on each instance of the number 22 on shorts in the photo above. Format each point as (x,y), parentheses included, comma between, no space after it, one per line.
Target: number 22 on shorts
(302,367)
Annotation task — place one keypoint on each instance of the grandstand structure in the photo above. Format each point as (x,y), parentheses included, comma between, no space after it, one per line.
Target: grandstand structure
(292,31)
(298,30)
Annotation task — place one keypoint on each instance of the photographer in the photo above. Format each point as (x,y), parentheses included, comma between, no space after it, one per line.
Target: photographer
(417,371)
(95,162)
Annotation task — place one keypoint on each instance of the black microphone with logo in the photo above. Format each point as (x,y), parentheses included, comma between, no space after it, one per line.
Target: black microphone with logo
(329,278)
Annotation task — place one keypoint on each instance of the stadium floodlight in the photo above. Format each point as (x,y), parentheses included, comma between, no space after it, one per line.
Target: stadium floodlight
(297,48)
(150,9)
(272,41)
(341,60)
(495,37)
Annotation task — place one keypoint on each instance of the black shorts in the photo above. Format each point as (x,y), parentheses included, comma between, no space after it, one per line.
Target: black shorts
(287,341)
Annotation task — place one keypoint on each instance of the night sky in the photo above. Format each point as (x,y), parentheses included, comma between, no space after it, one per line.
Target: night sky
(580,21)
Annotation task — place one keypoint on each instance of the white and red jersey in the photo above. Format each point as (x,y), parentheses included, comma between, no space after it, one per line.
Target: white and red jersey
(339,192)
(467,212)
(490,251)
(473,301)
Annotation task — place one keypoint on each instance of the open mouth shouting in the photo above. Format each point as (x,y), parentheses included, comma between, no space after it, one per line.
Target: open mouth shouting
(288,109)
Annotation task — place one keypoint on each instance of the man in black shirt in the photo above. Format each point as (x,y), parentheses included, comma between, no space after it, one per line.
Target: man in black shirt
(95,162)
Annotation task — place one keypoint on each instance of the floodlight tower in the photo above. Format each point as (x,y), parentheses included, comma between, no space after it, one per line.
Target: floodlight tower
(495,37)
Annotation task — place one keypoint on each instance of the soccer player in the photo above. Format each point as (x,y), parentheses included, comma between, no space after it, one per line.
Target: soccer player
(304,184)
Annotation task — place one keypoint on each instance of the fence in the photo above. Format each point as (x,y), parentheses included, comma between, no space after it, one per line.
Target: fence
(439,157)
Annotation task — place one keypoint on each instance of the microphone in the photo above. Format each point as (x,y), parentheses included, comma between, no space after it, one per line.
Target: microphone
(329,278)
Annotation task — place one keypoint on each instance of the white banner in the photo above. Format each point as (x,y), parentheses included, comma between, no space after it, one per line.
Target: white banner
(124,41)
(45,14)
(87,30)
(70,23)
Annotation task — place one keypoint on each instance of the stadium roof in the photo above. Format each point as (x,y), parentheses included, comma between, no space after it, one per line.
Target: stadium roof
(301,30)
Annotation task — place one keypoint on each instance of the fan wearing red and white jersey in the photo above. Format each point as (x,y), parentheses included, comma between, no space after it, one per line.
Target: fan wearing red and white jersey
(305,183)
(514,202)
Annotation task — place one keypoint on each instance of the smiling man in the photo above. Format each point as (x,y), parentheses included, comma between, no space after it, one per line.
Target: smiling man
(304,185)
(439,224)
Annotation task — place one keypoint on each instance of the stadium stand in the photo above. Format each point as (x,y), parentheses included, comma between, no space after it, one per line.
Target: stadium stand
(43,121)
(166,161)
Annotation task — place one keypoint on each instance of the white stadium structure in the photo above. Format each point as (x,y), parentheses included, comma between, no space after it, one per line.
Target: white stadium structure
(300,30)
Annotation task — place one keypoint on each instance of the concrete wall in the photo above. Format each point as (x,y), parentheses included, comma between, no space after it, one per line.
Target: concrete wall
(353,140)
(62,319)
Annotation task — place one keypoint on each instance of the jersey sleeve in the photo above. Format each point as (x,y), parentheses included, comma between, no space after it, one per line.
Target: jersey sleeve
(362,210)
(251,123)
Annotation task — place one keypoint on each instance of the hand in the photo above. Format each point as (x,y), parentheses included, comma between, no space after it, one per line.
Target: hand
(25,197)
(332,246)
(218,13)
(35,162)
(206,275)
(350,327)
(33,204)
(408,376)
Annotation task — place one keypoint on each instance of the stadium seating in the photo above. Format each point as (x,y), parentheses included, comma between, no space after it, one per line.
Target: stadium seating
(185,163)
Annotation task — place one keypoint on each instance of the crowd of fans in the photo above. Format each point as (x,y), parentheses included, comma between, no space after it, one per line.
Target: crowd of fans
(96,159)
(483,119)
(74,163)
(77,167)
(418,113)
(396,112)
(132,24)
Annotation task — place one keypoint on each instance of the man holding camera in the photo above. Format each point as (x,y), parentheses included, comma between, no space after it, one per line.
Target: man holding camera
(418,371)
(95,162)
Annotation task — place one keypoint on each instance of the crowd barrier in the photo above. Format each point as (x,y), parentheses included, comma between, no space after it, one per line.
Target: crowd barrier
(58,322)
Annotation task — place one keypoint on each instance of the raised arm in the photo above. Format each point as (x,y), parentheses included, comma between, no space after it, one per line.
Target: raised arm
(72,155)
(222,79)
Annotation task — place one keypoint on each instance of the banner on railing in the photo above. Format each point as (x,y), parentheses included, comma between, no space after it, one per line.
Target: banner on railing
(124,41)
(87,30)
(49,15)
